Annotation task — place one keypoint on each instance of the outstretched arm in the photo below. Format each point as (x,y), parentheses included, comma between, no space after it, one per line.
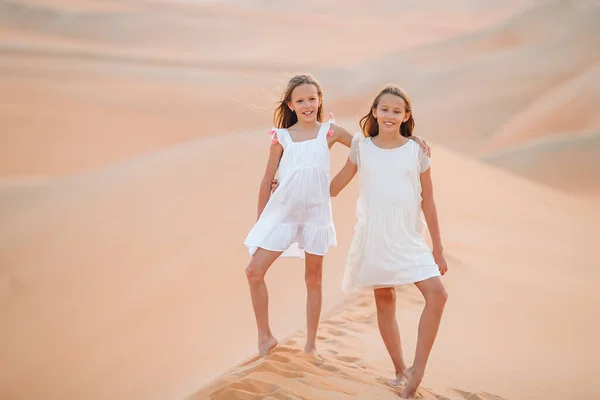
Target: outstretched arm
(341,180)
(264,192)
(431,217)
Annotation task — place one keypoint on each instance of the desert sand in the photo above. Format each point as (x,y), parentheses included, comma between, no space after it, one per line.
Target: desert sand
(133,143)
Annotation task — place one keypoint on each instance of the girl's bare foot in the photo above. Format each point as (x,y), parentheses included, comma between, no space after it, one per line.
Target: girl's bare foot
(408,373)
(265,346)
(312,350)
(399,380)
(414,380)
(401,377)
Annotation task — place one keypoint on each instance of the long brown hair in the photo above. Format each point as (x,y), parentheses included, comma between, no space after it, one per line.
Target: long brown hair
(284,117)
(368,123)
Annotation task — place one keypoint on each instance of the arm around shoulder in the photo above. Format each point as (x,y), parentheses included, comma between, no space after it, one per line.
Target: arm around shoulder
(423,143)
(341,135)
(341,180)
(264,193)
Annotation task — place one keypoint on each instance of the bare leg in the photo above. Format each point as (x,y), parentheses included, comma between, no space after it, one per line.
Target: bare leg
(385,299)
(314,297)
(435,299)
(255,272)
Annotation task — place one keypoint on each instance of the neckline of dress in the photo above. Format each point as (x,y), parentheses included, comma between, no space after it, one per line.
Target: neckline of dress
(392,149)
(307,140)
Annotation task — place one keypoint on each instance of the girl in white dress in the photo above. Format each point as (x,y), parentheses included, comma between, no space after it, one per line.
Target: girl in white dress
(298,213)
(388,248)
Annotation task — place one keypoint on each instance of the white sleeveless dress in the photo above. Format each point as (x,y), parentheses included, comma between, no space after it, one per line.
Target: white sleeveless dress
(298,214)
(388,248)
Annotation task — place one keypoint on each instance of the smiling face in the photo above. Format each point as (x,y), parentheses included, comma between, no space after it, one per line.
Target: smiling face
(390,113)
(305,102)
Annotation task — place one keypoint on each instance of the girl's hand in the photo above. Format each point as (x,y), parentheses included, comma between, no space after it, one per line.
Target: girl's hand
(440,260)
(423,143)
(274,184)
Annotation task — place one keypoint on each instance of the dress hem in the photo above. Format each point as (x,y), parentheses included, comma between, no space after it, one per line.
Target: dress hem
(371,286)
(252,249)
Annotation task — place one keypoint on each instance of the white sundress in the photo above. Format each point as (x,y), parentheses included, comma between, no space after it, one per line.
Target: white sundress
(388,248)
(298,215)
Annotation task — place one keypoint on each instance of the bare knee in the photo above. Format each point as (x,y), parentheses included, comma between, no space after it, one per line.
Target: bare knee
(254,273)
(385,297)
(437,296)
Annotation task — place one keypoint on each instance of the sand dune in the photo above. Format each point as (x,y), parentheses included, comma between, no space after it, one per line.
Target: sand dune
(121,287)
(289,373)
(494,86)
(569,107)
(531,76)
(510,296)
(569,161)
(122,274)
(142,74)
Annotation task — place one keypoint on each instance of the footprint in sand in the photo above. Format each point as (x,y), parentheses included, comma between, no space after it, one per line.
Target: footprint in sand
(334,322)
(334,341)
(336,332)
(329,367)
(280,358)
(284,349)
(354,328)
(349,359)
(348,362)
(365,320)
